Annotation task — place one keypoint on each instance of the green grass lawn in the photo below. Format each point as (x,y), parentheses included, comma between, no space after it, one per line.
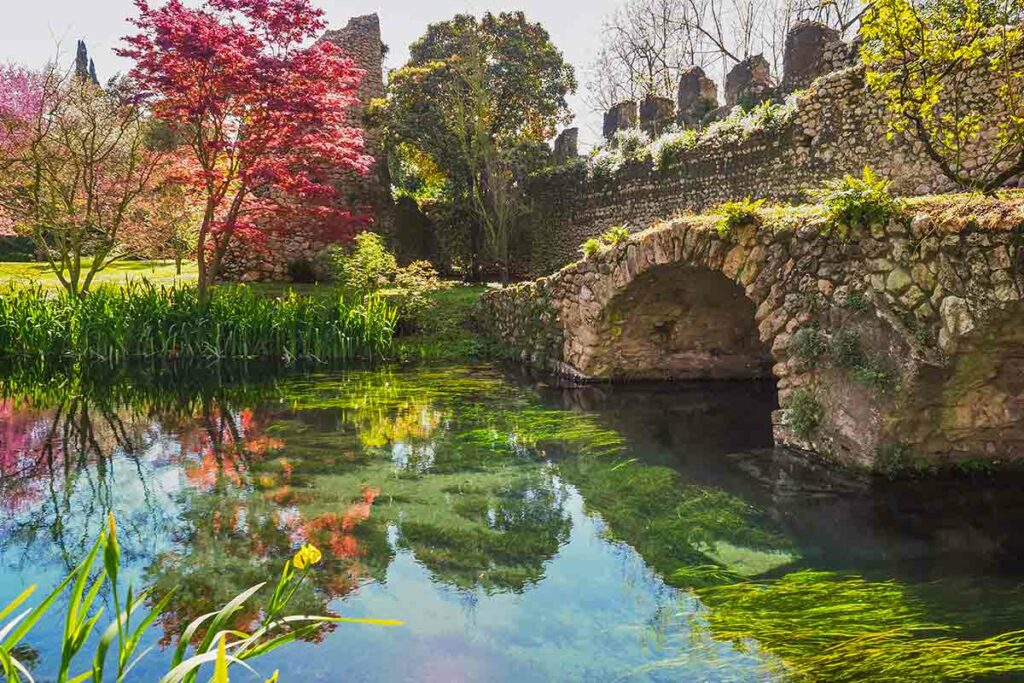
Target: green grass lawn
(157,272)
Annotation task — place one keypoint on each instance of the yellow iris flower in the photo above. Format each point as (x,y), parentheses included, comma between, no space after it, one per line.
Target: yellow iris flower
(307,556)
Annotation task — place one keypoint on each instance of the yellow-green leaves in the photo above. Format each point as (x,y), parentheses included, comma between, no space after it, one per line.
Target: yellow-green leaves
(930,62)
(220,668)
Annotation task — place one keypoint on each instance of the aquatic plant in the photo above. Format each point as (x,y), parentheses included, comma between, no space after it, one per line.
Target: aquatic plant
(205,640)
(141,320)
(828,626)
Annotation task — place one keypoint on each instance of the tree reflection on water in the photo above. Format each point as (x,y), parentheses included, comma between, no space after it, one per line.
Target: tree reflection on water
(216,479)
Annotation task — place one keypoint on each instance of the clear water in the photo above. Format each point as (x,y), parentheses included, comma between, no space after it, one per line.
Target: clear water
(522,531)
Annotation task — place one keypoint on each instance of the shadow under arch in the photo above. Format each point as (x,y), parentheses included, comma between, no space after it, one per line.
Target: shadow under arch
(679,322)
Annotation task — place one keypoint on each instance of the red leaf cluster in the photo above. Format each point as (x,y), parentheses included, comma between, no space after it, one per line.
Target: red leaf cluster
(262,106)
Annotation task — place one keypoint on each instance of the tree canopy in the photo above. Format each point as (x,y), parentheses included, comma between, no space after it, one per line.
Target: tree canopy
(441,121)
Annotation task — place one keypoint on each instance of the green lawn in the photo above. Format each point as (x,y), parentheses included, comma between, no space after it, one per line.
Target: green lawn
(157,272)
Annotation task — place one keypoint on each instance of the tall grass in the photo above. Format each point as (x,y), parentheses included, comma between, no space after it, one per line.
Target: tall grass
(141,320)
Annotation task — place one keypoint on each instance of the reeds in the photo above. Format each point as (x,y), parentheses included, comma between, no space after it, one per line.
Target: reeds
(143,321)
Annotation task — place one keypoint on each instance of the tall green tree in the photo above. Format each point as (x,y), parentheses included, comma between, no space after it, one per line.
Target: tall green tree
(476,96)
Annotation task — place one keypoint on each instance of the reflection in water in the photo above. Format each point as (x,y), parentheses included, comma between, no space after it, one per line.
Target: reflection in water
(523,531)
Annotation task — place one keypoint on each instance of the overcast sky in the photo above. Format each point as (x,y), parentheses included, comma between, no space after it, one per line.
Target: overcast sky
(31,29)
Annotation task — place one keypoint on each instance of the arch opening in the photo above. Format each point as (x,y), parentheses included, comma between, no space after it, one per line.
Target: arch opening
(678,322)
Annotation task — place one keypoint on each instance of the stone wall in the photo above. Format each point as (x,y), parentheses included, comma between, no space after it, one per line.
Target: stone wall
(360,40)
(837,128)
(901,343)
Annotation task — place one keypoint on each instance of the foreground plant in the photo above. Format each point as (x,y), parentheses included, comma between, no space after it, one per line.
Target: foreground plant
(209,639)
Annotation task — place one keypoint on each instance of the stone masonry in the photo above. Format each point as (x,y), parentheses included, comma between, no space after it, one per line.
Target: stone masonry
(838,127)
(894,344)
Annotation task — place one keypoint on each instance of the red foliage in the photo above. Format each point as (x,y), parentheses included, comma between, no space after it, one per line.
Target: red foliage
(263,110)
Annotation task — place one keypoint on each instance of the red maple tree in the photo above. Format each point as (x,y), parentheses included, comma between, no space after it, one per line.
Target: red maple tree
(261,105)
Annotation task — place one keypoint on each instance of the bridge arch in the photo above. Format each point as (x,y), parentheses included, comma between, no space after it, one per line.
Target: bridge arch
(677,321)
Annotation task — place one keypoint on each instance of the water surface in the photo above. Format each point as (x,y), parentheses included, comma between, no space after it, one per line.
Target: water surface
(522,531)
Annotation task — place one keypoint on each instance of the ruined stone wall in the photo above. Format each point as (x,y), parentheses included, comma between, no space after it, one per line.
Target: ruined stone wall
(899,344)
(359,40)
(837,128)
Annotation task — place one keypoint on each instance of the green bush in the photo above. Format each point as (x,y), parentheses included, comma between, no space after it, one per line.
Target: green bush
(591,247)
(17,249)
(605,162)
(611,237)
(632,143)
(141,320)
(876,376)
(302,271)
(853,202)
(846,350)
(409,292)
(805,413)
(810,345)
(732,215)
(615,235)
(669,148)
(365,265)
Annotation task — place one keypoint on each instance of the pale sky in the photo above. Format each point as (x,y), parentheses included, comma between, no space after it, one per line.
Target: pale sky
(31,30)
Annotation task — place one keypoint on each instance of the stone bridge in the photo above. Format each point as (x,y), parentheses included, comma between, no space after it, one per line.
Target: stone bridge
(891,346)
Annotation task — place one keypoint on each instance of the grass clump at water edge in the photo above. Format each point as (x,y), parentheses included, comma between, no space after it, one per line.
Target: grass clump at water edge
(142,320)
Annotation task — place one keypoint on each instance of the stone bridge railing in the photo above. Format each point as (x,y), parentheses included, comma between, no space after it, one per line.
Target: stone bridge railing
(897,344)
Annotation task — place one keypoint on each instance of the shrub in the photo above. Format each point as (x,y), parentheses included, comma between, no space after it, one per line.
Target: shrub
(876,376)
(740,124)
(668,148)
(591,247)
(366,265)
(853,202)
(605,162)
(409,295)
(805,413)
(810,345)
(207,636)
(856,301)
(632,144)
(17,249)
(732,215)
(615,235)
(141,320)
(846,350)
(302,271)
